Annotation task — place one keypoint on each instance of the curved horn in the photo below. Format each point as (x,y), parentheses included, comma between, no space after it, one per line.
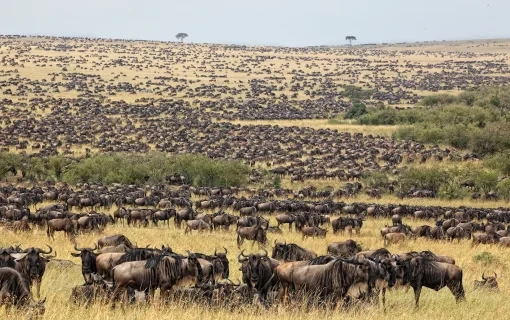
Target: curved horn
(43,252)
(274,242)
(495,275)
(189,253)
(483,276)
(77,249)
(242,253)
(215,252)
(265,252)
(285,242)
(226,251)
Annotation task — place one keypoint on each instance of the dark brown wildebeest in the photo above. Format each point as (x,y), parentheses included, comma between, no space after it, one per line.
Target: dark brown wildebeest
(247,211)
(291,252)
(422,231)
(344,249)
(33,265)
(256,234)
(285,219)
(65,225)
(421,272)
(331,280)
(114,240)
(163,215)
(485,238)
(284,272)
(258,273)
(162,271)
(185,214)
(313,232)
(121,214)
(458,233)
(88,261)
(487,282)
(224,220)
(15,292)
(219,263)
(199,225)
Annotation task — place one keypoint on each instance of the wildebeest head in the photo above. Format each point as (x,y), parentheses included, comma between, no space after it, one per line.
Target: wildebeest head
(490,282)
(279,250)
(6,260)
(387,271)
(88,261)
(220,257)
(33,264)
(195,264)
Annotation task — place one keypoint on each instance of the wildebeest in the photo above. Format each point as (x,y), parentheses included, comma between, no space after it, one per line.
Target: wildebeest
(88,261)
(65,225)
(114,240)
(422,272)
(15,292)
(118,248)
(490,282)
(344,249)
(331,280)
(458,233)
(313,232)
(219,263)
(341,223)
(224,220)
(199,225)
(291,252)
(33,265)
(258,273)
(394,237)
(285,219)
(255,233)
(162,271)
(396,219)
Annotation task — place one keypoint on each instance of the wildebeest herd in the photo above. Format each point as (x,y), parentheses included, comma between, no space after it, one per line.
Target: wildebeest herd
(116,271)
(77,97)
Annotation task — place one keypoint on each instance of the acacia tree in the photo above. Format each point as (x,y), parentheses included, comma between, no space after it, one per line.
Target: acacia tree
(181,36)
(350,39)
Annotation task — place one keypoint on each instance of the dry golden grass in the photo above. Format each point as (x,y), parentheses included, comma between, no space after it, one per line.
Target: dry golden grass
(385,131)
(57,285)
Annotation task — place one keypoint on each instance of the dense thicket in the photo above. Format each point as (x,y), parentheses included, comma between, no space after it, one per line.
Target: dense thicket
(129,168)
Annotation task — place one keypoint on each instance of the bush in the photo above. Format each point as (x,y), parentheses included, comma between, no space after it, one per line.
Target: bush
(356,111)
(499,161)
(377,180)
(438,100)
(503,188)
(154,167)
(7,162)
(451,191)
(424,178)
(486,258)
(277,182)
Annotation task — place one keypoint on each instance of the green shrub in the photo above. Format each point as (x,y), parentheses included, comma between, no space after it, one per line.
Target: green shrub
(425,178)
(7,162)
(499,161)
(503,188)
(452,191)
(486,258)
(277,182)
(154,167)
(377,180)
(438,100)
(356,111)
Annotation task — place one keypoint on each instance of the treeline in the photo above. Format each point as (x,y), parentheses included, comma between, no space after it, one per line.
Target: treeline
(153,167)
(475,119)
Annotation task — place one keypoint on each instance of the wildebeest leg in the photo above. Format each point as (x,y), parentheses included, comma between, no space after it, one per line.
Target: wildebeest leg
(384,298)
(417,292)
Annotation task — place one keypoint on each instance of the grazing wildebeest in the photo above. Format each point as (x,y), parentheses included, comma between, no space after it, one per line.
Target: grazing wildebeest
(199,225)
(15,292)
(490,282)
(421,272)
(256,234)
(114,240)
(291,252)
(313,232)
(88,261)
(65,225)
(458,233)
(344,249)
(33,265)
(394,237)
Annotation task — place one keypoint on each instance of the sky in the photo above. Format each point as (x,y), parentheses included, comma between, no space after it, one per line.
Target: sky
(261,22)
